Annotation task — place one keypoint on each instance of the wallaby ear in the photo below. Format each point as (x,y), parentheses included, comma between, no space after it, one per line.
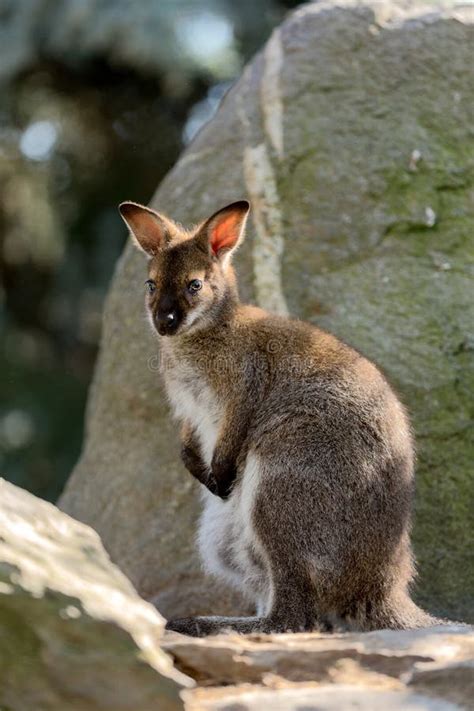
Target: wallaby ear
(225,229)
(149,230)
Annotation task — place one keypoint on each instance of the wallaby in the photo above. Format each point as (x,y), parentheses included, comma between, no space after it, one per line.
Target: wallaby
(304,450)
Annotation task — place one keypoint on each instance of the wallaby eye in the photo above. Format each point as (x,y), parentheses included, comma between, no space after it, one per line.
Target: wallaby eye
(150,285)
(194,285)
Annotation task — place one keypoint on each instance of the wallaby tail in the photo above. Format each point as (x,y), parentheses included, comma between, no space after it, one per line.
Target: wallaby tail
(403,614)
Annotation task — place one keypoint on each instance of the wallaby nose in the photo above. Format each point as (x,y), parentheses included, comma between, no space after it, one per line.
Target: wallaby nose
(166,322)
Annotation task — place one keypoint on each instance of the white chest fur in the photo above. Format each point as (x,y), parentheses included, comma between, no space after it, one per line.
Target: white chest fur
(193,400)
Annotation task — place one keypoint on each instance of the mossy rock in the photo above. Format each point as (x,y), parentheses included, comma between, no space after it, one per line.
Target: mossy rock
(351,134)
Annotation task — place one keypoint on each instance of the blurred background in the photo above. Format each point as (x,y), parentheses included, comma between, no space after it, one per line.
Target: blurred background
(97,100)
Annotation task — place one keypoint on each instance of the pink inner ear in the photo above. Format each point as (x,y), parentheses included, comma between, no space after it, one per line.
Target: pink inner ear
(225,234)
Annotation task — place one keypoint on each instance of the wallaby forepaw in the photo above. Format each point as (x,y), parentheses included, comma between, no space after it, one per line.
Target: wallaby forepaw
(222,489)
(223,474)
(211,484)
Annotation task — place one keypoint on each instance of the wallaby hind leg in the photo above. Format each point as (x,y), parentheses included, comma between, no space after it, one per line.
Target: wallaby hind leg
(293,607)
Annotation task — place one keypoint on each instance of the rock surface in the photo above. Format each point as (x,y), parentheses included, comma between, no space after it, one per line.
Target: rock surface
(422,669)
(73,632)
(317,698)
(234,659)
(350,135)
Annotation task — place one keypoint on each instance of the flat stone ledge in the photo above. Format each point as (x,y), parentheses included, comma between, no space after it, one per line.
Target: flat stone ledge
(391,669)
(313,698)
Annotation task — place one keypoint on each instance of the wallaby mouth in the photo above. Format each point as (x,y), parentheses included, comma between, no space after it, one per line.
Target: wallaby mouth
(165,330)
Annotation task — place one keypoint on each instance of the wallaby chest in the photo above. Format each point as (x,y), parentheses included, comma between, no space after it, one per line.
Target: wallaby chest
(193,399)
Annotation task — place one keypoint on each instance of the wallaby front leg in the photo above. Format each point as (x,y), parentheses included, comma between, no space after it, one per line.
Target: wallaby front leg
(228,451)
(192,459)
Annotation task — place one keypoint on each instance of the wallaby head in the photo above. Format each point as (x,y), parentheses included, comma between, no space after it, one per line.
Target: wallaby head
(190,277)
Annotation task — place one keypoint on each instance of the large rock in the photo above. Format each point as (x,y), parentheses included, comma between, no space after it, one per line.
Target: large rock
(350,134)
(73,632)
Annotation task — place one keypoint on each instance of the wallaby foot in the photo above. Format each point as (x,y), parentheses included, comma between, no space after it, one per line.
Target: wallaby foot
(203,626)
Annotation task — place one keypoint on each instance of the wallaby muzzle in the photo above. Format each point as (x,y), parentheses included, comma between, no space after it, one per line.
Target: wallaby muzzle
(167,324)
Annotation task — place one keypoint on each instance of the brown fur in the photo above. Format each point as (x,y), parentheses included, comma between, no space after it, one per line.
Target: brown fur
(313,457)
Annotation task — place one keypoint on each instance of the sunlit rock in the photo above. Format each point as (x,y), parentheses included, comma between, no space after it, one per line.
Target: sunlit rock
(73,632)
